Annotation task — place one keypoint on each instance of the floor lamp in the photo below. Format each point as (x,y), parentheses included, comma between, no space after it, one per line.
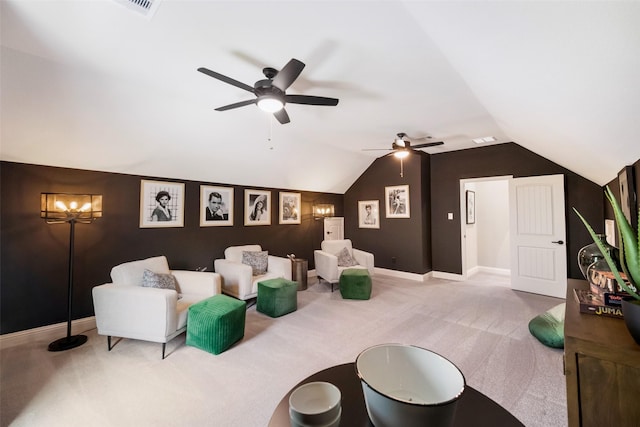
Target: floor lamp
(57,208)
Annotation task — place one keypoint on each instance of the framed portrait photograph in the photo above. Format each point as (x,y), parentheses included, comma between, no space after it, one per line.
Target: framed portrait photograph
(289,208)
(368,214)
(161,204)
(257,207)
(397,201)
(471,207)
(628,202)
(216,206)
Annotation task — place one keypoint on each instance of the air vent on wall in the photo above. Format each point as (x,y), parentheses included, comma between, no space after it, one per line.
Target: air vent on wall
(144,7)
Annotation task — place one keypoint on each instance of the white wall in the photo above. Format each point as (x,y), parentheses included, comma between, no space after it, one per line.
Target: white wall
(492,220)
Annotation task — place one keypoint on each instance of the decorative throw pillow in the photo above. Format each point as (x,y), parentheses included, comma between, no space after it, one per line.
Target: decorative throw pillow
(345,259)
(548,327)
(158,280)
(257,260)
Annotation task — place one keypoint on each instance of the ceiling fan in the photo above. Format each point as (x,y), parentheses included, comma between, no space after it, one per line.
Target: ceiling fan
(271,92)
(401,145)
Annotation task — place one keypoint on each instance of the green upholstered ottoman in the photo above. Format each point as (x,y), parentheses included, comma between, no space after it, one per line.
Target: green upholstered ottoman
(277,297)
(355,283)
(216,323)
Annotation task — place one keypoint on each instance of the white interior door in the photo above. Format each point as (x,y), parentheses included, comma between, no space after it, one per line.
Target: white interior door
(537,230)
(334,228)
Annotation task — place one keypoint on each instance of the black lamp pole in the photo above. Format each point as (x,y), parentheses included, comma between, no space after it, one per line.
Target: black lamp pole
(69,341)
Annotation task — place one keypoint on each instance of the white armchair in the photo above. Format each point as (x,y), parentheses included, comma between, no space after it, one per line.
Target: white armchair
(127,309)
(326,259)
(238,279)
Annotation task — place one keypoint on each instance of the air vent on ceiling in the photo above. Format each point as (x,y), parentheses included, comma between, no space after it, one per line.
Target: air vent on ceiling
(144,7)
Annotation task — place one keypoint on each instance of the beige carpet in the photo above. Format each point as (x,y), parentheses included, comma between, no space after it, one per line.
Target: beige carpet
(480,325)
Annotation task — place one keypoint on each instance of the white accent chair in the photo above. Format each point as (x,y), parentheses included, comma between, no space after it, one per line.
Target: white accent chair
(326,260)
(238,280)
(126,309)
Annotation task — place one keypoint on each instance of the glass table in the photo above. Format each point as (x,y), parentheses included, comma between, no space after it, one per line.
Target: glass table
(473,409)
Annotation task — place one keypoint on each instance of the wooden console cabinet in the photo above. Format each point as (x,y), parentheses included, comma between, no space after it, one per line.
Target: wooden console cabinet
(602,368)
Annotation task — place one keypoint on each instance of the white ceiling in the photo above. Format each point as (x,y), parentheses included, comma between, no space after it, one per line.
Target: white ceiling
(93,85)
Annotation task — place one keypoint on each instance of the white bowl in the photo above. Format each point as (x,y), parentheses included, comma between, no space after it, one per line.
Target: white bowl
(408,386)
(315,404)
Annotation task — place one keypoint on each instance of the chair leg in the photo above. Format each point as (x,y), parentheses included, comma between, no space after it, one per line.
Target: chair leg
(164,347)
(109,342)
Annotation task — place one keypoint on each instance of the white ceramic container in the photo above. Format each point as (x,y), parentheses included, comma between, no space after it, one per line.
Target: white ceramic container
(315,404)
(408,386)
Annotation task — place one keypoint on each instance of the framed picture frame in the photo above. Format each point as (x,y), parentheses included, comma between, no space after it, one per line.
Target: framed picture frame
(471,207)
(628,202)
(368,214)
(257,207)
(397,201)
(216,206)
(290,208)
(161,204)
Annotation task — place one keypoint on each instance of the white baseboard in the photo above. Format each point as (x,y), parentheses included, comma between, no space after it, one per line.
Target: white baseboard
(448,276)
(494,270)
(47,333)
(403,274)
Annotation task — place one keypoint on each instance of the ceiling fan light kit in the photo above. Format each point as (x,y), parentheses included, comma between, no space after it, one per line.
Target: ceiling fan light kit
(271,93)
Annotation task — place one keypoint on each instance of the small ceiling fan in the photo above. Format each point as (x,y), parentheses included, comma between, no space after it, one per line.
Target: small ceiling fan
(271,92)
(402,145)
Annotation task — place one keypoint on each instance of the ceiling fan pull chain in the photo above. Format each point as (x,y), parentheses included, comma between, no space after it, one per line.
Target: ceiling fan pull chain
(401,169)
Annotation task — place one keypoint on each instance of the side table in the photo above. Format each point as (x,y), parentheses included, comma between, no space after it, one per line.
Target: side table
(299,271)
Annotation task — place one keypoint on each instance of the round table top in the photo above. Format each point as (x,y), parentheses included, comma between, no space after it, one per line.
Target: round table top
(473,409)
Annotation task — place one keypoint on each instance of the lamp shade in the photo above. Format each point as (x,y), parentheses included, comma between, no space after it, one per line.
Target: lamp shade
(65,207)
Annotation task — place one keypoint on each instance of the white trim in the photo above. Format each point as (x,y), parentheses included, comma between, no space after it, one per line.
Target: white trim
(448,276)
(495,270)
(403,274)
(47,333)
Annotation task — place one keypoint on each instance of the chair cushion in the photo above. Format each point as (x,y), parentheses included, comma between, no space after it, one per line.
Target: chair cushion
(345,259)
(257,260)
(335,246)
(130,273)
(234,253)
(548,327)
(158,280)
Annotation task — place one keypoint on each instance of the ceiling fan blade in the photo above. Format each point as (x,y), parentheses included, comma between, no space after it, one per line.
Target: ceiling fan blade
(236,105)
(377,149)
(428,144)
(288,74)
(282,116)
(310,100)
(226,79)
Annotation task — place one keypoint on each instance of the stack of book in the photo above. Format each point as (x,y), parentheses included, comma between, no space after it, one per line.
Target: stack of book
(603,298)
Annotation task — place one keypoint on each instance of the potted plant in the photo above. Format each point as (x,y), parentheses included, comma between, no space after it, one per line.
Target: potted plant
(629,260)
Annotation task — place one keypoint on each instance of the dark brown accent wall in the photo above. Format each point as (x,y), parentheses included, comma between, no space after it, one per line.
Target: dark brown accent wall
(501,160)
(34,255)
(402,244)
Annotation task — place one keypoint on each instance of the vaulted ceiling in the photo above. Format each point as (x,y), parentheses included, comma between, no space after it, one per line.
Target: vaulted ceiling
(97,85)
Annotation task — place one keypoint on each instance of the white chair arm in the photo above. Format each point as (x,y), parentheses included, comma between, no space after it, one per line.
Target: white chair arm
(135,312)
(236,277)
(198,282)
(279,266)
(326,266)
(365,259)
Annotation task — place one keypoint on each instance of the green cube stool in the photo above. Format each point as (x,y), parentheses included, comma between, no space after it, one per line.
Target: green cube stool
(277,297)
(215,324)
(355,283)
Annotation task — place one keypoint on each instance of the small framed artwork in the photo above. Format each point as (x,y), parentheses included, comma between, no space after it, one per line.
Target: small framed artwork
(628,195)
(161,204)
(471,207)
(368,214)
(289,208)
(257,207)
(216,206)
(397,201)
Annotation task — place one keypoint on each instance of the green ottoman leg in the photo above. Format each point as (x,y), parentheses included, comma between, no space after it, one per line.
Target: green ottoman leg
(215,324)
(355,283)
(277,297)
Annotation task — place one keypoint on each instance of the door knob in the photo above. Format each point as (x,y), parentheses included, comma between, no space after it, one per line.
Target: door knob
(560,242)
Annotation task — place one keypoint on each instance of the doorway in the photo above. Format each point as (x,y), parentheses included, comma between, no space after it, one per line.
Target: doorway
(485,235)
